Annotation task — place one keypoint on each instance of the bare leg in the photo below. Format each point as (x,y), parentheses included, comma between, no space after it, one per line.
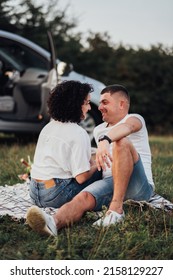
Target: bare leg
(124,157)
(73,211)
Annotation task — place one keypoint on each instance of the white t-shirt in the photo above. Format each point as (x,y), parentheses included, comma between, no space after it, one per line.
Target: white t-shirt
(63,151)
(139,140)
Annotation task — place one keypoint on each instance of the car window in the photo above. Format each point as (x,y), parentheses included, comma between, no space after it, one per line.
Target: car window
(9,62)
(21,56)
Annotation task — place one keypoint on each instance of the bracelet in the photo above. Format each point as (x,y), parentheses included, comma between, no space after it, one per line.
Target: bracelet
(104,137)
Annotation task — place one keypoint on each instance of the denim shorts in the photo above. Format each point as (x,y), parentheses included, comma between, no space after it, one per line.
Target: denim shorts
(63,191)
(138,188)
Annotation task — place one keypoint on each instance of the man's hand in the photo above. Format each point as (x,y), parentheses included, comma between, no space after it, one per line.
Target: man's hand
(103,156)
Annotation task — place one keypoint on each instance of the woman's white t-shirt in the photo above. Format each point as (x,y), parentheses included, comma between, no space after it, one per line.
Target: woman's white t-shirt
(63,151)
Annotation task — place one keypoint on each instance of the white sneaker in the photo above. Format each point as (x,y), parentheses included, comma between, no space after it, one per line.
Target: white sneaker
(110,218)
(40,221)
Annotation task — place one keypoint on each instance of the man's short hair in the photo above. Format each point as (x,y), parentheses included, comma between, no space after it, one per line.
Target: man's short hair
(116,88)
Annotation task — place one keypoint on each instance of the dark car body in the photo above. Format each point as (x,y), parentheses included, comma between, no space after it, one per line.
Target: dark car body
(27,74)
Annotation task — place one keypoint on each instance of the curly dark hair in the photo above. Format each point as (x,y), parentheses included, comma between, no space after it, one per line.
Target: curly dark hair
(66,100)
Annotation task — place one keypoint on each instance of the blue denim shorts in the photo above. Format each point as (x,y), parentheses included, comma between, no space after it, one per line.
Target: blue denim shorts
(63,191)
(138,188)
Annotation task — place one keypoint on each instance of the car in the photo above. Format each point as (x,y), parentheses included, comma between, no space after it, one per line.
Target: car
(27,74)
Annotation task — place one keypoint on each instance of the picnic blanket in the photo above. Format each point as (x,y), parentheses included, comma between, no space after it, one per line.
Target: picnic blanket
(15,200)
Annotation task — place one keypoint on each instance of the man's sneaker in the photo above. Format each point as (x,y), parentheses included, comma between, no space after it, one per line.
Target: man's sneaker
(40,221)
(110,218)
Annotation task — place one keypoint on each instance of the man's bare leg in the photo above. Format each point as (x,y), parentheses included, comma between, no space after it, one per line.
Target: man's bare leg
(125,156)
(73,211)
(69,213)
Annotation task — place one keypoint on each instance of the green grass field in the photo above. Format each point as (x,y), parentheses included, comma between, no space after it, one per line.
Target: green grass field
(145,234)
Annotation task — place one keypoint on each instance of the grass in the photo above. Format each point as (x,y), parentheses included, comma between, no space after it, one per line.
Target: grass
(145,234)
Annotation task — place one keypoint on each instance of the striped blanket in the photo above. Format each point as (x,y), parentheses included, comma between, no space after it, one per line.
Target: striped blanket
(15,200)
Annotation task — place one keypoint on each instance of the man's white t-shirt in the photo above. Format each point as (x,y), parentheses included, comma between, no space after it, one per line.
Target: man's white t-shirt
(63,151)
(139,140)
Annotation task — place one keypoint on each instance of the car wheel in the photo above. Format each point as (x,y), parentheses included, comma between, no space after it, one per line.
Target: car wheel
(93,118)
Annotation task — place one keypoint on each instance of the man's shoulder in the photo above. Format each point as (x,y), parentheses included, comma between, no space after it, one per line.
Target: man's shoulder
(100,126)
(134,115)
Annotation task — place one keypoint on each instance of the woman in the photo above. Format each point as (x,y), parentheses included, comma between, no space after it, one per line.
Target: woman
(62,162)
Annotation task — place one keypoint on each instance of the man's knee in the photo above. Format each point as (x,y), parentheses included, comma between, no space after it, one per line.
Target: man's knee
(86,200)
(122,144)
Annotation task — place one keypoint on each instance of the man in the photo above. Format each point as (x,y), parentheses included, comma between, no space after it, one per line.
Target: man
(125,158)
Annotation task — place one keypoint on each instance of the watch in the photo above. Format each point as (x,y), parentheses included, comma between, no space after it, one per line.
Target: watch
(104,137)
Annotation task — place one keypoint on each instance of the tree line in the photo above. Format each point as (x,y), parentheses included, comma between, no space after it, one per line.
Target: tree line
(147,73)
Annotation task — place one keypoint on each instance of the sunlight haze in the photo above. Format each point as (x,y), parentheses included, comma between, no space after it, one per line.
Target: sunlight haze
(131,22)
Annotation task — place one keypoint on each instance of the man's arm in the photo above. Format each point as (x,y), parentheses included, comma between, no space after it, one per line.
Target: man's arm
(131,125)
(103,156)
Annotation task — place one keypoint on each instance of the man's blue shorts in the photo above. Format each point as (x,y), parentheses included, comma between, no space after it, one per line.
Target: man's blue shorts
(138,188)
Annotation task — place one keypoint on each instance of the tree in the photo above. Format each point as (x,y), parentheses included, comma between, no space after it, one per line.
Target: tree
(32,21)
(95,58)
